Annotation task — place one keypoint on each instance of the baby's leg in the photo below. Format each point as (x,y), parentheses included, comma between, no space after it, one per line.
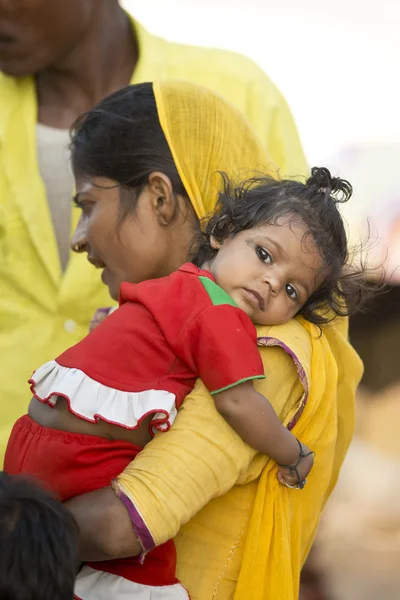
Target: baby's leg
(71,464)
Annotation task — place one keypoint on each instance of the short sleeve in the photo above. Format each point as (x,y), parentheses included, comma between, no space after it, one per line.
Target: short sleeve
(220,346)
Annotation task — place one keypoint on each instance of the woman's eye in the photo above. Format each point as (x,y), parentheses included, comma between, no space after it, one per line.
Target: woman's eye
(264,255)
(291,292)
(84,205)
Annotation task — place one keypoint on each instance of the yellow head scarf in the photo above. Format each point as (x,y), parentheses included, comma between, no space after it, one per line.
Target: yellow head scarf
(225,140)
(206,134)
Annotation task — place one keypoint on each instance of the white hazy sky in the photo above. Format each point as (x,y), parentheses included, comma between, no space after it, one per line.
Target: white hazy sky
(335,61)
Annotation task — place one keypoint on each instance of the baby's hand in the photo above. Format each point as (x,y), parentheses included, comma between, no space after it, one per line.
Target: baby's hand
(291,478)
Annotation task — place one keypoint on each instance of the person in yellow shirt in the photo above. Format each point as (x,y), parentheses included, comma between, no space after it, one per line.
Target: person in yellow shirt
(57,59)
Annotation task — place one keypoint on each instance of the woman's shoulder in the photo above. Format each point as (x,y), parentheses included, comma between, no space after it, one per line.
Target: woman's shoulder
(295,338)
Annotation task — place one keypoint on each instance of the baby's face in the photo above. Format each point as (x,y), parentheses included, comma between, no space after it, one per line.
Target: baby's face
(269,271)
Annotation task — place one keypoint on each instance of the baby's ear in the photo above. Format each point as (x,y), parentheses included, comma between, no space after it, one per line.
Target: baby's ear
(214,243)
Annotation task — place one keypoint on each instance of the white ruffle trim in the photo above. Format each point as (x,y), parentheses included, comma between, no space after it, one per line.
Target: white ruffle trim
(91,400)
(98,585)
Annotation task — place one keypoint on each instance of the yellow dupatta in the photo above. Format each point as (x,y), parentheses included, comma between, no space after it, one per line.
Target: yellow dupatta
(229,142)
(283,523)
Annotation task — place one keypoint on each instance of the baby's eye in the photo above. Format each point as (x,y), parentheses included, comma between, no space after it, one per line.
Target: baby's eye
(264,255)
(291,292)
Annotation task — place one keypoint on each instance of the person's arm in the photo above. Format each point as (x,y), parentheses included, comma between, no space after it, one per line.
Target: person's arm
(105,527)
(252,416)
(270,114)
(224,335)
(175,475)
(284,141)
(178,472)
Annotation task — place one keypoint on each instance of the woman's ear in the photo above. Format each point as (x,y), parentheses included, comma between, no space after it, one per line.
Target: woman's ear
(163,200)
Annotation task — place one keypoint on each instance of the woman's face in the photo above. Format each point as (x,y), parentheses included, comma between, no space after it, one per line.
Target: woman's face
(150,242)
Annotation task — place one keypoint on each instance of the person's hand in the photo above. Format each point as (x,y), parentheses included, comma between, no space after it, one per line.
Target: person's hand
(100,315)
(296,476)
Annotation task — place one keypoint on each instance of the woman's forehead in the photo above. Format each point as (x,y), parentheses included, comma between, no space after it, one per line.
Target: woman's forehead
(89,184)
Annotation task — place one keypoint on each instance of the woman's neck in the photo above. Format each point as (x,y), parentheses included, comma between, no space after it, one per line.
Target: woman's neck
(100,64)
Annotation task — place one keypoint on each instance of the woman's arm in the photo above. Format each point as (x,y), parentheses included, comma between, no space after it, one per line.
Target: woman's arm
(105,528)
(178,472)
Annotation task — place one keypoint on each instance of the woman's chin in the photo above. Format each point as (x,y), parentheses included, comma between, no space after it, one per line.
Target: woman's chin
(114,291)
(108,280)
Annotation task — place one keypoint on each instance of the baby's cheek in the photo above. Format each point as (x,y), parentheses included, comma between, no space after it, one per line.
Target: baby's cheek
(291,312)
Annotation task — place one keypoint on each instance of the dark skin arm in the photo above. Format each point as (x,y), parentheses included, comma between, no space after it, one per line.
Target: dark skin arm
(106,531)
(115,537)
(256,422)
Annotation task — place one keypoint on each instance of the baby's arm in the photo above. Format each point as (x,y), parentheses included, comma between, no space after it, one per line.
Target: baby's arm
(220,346)
(255,421)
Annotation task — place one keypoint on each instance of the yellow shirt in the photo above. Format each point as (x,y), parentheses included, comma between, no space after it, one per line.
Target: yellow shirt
(42,311)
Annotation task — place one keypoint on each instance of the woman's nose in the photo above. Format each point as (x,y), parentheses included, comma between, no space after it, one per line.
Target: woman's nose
(79,237)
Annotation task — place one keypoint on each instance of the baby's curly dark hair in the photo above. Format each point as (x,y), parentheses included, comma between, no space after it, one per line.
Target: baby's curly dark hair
(263,200)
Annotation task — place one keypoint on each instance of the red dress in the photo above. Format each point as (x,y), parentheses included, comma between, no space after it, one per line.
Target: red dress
(143,359)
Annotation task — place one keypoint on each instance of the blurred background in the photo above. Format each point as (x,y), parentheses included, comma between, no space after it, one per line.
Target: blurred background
(337,65)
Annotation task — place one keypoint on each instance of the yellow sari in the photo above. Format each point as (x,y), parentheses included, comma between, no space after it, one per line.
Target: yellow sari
(241,534)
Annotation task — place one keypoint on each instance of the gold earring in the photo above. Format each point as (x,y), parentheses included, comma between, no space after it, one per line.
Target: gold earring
(76,247)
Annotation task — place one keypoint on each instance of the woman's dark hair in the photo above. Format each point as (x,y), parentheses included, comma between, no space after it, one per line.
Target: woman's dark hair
(263,200)
(121,139)
(38,543)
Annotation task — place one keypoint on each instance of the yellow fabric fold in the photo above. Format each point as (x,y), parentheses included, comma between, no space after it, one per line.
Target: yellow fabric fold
(200,479)
(232,145)
(283,521)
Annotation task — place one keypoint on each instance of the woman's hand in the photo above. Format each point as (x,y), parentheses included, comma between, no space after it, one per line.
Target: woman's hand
(105,528)
(99,316)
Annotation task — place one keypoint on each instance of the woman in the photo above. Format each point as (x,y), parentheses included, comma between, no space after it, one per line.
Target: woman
(57,60)
(142,189)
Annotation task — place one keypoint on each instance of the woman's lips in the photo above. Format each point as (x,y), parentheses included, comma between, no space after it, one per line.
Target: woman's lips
(255,298)
(98,264)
